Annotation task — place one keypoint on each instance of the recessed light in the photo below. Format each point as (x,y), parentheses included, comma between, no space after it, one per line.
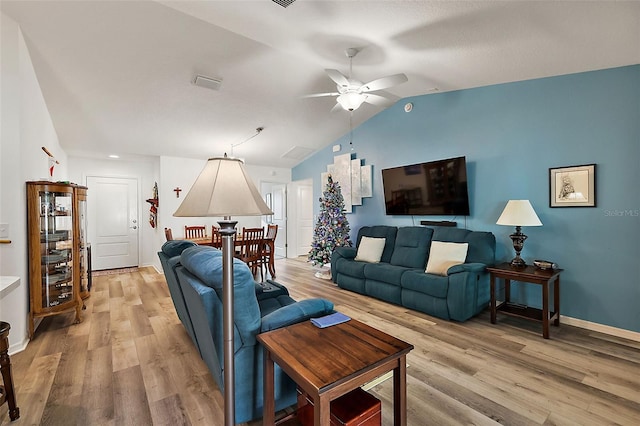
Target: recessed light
(114,156)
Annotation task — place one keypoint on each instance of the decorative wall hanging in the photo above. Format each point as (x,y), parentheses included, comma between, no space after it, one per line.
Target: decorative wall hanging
(52,162)
(572,186)
(354,179)
(153,210)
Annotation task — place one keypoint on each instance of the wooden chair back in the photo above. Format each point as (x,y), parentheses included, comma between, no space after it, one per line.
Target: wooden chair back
(251,248)
(216,238)
(168,235)
(272,231)
(195,231)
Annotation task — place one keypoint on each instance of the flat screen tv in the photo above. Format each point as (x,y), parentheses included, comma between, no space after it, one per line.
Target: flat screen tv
(433,188)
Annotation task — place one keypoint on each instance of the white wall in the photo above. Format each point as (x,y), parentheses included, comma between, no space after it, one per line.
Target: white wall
(146,171)
(182,172)
(26,126)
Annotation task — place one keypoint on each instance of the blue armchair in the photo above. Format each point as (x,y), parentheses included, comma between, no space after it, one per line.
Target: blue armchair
(256,309)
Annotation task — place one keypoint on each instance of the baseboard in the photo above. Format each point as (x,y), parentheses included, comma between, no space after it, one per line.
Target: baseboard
(601,328)
(18,347)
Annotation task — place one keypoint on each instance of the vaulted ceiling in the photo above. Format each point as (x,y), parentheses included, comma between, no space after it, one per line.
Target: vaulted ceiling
(117,75)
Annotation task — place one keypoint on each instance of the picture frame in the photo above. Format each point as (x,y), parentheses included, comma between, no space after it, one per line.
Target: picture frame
(572,186)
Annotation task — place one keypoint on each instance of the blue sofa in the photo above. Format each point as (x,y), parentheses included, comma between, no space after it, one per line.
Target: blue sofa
(400,276)
(194,277)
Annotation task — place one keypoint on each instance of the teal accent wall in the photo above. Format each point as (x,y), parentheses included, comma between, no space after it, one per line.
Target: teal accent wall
(511,134)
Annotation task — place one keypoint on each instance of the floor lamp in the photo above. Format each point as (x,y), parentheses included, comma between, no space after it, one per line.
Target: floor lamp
(223,189)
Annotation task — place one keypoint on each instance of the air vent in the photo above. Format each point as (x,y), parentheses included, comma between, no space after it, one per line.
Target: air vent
(297,153)
(283,3)
(207,82)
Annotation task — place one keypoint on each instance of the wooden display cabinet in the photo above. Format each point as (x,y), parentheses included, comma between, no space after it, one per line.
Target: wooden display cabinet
(58,266)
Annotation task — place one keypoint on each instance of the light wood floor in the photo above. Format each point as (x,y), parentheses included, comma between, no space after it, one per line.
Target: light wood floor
(130,362)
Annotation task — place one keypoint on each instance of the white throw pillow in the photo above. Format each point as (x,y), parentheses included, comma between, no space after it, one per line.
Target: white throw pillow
(370,249)
(443,256)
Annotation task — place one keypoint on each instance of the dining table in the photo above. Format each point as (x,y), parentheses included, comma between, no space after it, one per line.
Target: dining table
(237,241)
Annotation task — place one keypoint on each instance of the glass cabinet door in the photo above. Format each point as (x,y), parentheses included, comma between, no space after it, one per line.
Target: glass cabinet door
(56,247)
(85,267)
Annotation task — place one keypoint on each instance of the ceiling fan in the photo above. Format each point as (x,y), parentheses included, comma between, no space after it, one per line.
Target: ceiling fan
(352,93)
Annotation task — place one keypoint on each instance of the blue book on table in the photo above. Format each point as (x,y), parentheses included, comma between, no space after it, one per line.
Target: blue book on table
(329,320)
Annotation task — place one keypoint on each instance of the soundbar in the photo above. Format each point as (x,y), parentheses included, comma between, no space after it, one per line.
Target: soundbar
(438,223)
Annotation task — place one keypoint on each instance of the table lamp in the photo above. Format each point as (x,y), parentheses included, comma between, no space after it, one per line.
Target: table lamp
(518,213)
(223,188)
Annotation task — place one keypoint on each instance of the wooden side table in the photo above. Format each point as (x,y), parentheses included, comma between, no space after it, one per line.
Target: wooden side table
(533,275)
(327,363)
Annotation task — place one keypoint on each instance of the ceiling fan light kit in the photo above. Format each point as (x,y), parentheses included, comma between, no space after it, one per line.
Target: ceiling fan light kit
(351,101)
(351,93)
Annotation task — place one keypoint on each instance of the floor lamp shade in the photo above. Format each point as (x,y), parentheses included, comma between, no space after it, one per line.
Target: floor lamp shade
(518,213)
(223,188)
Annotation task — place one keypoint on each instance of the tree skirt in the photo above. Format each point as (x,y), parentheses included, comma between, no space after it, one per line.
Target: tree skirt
(323,272)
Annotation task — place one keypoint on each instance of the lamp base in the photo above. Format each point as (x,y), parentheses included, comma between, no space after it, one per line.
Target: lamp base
(518,239)
(518,262)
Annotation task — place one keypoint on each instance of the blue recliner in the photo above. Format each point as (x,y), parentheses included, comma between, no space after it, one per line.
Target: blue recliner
(256,309)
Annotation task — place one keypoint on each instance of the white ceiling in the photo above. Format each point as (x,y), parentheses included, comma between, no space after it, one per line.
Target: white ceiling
(116,75)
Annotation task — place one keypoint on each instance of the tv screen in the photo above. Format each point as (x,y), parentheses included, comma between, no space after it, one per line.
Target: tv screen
(433,188)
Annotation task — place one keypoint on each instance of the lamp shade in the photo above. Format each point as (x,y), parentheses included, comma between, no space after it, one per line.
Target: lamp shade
(223,188)
(519,213)
(351,100)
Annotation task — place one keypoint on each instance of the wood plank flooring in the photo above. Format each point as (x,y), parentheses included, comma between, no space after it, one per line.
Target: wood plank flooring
(130,362)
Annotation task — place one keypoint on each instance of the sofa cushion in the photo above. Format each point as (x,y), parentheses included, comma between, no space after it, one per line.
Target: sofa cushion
(380,231)
(370,249)
(433,285)
(482,245)
(384,272)
(350,268)
(412,247)
(206,263)
(176,247)
(444,255)
(274,303)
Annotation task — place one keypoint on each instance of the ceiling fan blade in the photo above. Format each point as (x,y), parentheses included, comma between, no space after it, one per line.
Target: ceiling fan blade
(384,82)
(338,77)
(381,100)
(317,95)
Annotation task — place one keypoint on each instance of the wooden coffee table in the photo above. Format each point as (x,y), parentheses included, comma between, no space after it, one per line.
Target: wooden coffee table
(329,362)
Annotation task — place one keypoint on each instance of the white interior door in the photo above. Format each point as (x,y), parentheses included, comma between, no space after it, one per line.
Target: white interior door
(304,217)
(279,207)
(113,222)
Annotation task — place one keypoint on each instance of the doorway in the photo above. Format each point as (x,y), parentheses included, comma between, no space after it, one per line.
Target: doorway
(112,206)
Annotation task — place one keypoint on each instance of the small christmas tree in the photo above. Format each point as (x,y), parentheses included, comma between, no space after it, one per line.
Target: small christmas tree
(332,226)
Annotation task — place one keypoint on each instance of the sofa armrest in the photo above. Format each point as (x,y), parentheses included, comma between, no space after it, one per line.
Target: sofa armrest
(345,252)
(468,291)
(295,313)
(466,267)
(348,253)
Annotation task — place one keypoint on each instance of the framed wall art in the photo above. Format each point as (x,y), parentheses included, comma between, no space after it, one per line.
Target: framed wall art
(572,186)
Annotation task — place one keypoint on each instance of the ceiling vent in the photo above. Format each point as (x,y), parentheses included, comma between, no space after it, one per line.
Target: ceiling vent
(207,82)
(297,153)
(283,3)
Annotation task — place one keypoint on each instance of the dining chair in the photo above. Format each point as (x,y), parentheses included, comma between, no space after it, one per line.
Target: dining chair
(216,238)
(168,235)
(251,249)
(268,248)
(195,231)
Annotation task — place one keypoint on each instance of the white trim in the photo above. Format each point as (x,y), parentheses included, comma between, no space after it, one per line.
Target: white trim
(18,347)
(601,328)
